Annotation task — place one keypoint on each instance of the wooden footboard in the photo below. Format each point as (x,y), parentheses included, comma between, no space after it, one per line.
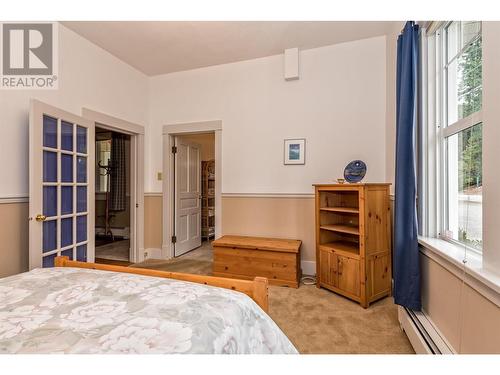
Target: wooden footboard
(257,289)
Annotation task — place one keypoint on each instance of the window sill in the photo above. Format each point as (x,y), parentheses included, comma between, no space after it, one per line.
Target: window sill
(451,257)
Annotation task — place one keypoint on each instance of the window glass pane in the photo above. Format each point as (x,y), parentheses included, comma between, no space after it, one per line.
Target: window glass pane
(48,261)
(103,156)
(49,166)
(464,187)
(50,200)
(49,132)
(81,228)
(66,136)
(81,253)
(470,29)
(81,199)
(66,200)
(66,168)
(66,231)
(81,139)
(49,235)
(81,169)
(464,77)
(458,35)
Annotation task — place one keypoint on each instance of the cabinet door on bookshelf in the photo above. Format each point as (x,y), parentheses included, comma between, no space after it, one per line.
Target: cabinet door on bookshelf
(328,268)
(348,275)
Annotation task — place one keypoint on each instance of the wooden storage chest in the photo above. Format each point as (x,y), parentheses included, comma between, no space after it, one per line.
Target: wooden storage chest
(244,257)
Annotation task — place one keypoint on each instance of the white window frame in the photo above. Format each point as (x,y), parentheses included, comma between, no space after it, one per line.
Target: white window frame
(436,131)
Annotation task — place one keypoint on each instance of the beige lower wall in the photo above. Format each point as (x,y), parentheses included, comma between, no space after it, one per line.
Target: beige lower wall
(272,217)
(14,245)
(13,238)
(252,216)
(469,322)
(153,220)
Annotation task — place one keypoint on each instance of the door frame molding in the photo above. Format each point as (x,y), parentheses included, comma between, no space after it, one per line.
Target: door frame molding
(169,133)
(136,133)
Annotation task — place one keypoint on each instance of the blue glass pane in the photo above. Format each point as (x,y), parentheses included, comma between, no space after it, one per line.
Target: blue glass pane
(66,200)
(66,168)
(49,166)
(81,228)
(48,261)
(49,235)
(49,132)
(66,231)
(81,253)
(81,199)
(68,253)
(66,136)
(81,139)
(81,169)
(50,200)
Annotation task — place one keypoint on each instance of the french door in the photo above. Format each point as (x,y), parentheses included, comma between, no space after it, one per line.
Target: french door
(187,187)
(61,208)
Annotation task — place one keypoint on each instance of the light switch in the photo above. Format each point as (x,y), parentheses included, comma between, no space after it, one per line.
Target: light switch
(159,176)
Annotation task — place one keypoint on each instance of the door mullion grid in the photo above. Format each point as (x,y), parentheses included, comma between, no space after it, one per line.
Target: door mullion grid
(87,178)
(74,190)
(58,192)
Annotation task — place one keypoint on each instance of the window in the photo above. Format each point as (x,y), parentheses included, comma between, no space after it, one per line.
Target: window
(458,101)
(103,155)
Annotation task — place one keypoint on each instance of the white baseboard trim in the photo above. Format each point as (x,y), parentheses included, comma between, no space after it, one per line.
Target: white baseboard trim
(423,336)
(152,253)
(308,267)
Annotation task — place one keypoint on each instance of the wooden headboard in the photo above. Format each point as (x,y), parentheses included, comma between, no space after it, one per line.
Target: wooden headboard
(257,289)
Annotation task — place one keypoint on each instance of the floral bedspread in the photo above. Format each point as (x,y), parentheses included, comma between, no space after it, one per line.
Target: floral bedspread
(72,310)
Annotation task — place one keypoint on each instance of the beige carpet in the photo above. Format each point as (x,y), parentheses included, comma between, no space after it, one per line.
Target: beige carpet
(315,320)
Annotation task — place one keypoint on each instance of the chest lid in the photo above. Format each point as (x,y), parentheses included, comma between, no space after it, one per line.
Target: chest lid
(259,243)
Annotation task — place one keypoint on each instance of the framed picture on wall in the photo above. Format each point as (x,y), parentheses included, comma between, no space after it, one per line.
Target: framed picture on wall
(295,151)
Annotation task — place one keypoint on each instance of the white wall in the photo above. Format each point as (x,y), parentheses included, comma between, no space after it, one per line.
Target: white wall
(338,105)
(88,77)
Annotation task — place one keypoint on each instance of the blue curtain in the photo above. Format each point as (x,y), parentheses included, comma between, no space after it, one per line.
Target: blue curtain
(406,256)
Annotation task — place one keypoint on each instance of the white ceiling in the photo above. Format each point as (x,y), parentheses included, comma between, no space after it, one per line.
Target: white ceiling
(164,47)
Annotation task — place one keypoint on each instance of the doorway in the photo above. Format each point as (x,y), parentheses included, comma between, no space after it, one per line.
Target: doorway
(119,218)
(194,191)
(112,196)
(207,137)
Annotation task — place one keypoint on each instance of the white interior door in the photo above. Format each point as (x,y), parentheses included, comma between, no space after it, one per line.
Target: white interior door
(187,189)
(62,186)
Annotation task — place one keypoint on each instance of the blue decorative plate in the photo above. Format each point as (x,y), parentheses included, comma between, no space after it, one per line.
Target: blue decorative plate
(355,171)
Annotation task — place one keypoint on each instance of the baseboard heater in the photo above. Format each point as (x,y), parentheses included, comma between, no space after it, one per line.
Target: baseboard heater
(422,334)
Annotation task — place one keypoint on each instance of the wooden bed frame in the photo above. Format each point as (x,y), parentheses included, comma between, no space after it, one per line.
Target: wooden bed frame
(257,289)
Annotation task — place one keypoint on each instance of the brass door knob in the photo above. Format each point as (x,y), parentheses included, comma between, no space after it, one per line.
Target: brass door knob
(40,217)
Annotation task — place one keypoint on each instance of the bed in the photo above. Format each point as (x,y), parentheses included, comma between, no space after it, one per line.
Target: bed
(88,308)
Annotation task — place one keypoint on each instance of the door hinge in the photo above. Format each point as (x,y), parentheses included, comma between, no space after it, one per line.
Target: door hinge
(174,149)
(174,239)
(137,205)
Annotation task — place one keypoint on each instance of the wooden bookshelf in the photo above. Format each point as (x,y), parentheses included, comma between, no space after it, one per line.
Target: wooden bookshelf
(349,210)
(208,199)
(341,228)
(353,247)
